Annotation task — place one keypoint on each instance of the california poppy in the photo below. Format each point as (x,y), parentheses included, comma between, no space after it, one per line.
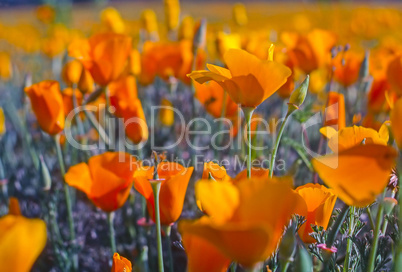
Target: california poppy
(47,104)
(72,72)
(135,124)
(356,135)
(311,51)
(217,172)
(111,20)
(121,264)
(6,69)
(21,240)
(122,91)
(347,67)
(203,256)
(211,96)
(249,80)
(2,122)
(106,179)
(104,55)
(247,219)
(166,113)
(393,74)
(334,114)
(175,179)
(320,204)
(358,174)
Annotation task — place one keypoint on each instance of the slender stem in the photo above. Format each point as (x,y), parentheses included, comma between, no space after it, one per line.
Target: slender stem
(334,232)
(220,126)
(373,252)
(168,230)
(248,113)
(233,267)
(110,219)
(349,246)
(275,150)
(370,216)
(285,266)
(156,186)
(67,197)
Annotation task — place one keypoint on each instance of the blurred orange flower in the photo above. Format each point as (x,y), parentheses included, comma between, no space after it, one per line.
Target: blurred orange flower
(134,120)
(175,179)
(47,104)
(72,71)
(106,179)
(311,51)
(335,111)
(320,204)
(121,264)
(166,114)
(394,71)
(347,66)
(351,136)
(358,174)
(238,227)
(217,172)
(122,91)
(203,256)
(6,69)
(249,80)
(21,240)
(104,55)
(211,96)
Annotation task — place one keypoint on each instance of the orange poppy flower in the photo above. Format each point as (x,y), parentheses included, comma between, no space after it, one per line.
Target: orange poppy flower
(396,119)
(21,240)
(249,80)
(203,256)
(86,83)
(166,59)
(68,99)
(112,21)
(6,69)
(256,172)
(134,120)
(166,114)
(247,219)
(121,264)
(72,71)
(47,104)
(106,179)
(309,52)
(320,204)
(175,179)
(104,55)
(217,172)
(211,96)
(377,95)
(122,91)
(351,136)
(394,71)
(335,111)
(358,174)
(45,14)
(347,67)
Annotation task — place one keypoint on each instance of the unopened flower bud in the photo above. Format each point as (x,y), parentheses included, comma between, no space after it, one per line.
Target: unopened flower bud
(303,261)
(389,204)
(44,174)
(297,97)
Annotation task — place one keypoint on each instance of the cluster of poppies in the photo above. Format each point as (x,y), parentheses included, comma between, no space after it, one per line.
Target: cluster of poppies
(335,206)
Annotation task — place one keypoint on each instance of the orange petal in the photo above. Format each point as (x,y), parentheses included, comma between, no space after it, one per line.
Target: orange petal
(358,174)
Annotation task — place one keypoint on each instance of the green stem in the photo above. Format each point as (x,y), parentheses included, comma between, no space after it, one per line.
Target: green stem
(248,113)
(285,266)
(168,230)
(373,252)
(334,232)
(370,216)
(233,267)
(349,246)
(110,219)
(398,254)
(275,150)
(156,186)
(67,196)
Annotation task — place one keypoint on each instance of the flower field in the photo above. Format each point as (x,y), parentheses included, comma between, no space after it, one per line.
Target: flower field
(200,136)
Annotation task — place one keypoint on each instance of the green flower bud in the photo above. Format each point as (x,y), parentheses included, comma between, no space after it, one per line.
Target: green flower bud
(298,96)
